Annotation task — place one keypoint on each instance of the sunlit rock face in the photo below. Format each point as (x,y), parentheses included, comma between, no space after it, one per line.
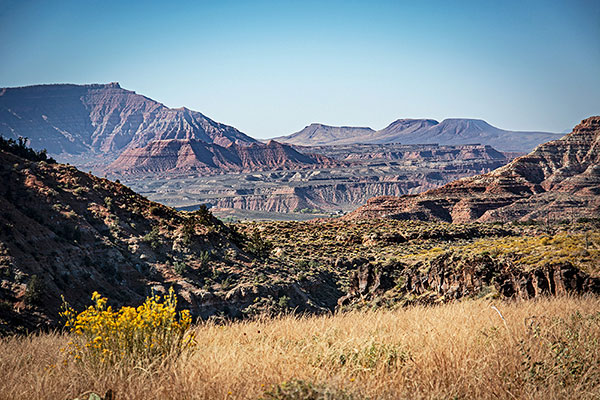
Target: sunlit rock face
(101,118)
(558,180)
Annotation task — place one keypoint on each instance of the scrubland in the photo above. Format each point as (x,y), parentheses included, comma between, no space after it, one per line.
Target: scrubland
(547,348)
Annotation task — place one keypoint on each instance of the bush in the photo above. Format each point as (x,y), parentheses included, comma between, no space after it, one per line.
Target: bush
(204,216)
(153,238)
(258,246)
(204,258)
(159,211)
(180,268)
(19,148)
(34,291)
(302,390)
(188,231)
(129,335)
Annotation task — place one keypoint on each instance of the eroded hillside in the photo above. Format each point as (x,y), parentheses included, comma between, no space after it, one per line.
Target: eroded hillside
(557,179)
(67,233)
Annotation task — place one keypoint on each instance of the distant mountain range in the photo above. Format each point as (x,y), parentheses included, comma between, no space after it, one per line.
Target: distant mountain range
(558,180)
(93,125)
(101,119)
(422,131)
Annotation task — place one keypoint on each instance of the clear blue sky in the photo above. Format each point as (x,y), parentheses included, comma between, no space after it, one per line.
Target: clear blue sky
(271,68)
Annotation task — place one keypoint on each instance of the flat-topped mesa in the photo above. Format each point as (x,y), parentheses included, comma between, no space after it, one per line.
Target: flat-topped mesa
(557,180)
(451,131)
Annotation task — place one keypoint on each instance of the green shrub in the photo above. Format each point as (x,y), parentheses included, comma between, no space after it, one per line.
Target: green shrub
(153,238)
(204,258)
(258,246)
(34,291)
(180,268)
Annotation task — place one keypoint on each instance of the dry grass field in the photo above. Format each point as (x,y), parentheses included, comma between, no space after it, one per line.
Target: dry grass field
(540,349)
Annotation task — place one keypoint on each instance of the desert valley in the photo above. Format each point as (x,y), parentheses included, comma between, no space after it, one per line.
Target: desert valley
(315,200)
(401,225)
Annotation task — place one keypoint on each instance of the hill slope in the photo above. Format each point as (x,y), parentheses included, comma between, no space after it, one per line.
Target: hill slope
(181,155)
(65,232)
(101,118)
(319,135)
(559,179)
(422,131)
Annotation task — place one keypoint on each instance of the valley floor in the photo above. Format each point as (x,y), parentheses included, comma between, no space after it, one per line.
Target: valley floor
(486,349)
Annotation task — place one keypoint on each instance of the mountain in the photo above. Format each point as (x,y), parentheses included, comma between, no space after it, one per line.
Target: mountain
(558,180)
(101,119)
(402,128)
(423,131)
(319,134)
(184,155)
(466,131)
(358,173)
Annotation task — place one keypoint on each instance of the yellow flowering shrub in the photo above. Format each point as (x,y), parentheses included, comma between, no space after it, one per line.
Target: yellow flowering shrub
(107,336)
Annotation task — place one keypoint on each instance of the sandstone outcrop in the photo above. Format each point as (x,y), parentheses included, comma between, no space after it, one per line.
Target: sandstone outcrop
(452,277)
(176,156)
(558,180)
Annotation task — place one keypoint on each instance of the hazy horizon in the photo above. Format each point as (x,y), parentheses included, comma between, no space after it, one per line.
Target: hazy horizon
(272,68)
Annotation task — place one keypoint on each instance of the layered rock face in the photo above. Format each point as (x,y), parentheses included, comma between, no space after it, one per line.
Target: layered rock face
(440,280)
(558,180)
(455,131)
(339,179)
(101,118)
(183,155)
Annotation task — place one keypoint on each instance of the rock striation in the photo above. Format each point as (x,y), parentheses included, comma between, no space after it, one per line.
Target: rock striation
(338,179)
(101,119)
(440,280)
(175,156)
(559,179)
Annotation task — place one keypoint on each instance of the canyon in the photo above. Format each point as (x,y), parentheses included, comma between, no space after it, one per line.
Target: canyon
(353,175)
(559,179)
(184,159)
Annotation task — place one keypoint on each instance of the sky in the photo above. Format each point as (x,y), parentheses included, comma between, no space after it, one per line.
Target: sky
(270,68)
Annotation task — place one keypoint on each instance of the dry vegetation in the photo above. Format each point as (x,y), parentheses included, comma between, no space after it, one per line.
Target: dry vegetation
(528,245)
(542,349)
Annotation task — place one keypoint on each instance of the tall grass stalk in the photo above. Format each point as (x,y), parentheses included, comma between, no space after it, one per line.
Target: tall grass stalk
(459,350)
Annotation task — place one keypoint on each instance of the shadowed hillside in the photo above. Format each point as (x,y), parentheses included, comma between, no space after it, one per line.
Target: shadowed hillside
(65,232)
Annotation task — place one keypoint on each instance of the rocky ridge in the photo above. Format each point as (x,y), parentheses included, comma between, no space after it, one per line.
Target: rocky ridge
(559,179)
(352,175)
(439,280)
(454,131)
(176,156)
(101,119)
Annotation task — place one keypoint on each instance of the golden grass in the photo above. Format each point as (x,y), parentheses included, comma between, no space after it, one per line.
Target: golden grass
(544,349)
